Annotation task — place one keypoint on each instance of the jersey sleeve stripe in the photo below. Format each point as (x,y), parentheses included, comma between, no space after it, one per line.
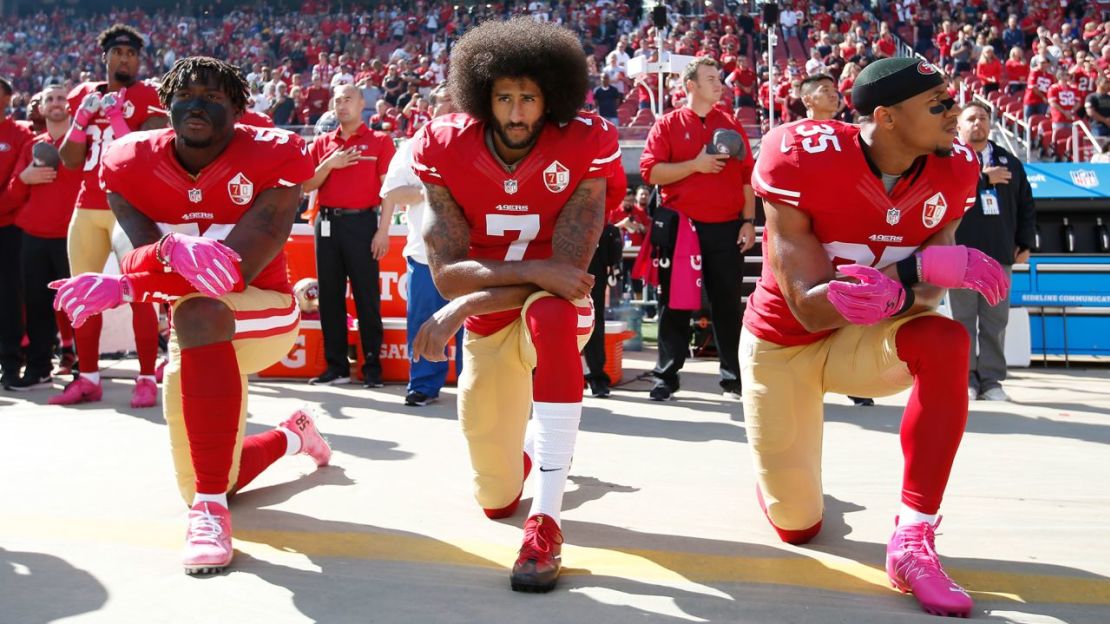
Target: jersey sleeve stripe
(783,194)
(615,155)
(286,183)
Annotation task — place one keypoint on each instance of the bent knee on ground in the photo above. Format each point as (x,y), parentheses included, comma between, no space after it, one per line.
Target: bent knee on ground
(201,321)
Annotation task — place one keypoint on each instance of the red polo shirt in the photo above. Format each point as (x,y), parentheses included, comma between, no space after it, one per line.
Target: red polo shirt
(13,135)
(356,186)
(681,135)
(46,208)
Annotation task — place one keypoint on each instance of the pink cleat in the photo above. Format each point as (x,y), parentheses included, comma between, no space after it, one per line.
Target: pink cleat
(208,540)
(80,390)
(312,443)
(145,393)
(913,566)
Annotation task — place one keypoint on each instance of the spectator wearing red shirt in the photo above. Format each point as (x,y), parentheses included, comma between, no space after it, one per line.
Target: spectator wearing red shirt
(989,70)
(383,120)
(714,192)
(944,40)
(47,194)
(1035,100)
(316,100)
(742,81)
(351,163)
(1063,101)
(1017,71)
(13,135)
(1084,75)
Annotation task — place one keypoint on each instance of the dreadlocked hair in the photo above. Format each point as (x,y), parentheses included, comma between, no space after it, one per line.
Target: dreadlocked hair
(199,69)
(549,55)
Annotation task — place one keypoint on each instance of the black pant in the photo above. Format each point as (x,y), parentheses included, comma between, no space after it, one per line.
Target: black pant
(594,351)
(11,300)
(722,267)
(44,260)
(342,255)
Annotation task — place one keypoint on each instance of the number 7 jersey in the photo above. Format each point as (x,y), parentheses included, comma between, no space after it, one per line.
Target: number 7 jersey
(512,214)
(819,168)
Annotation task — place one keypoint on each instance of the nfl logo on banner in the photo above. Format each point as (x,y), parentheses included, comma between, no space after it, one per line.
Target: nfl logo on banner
(511,187)
(1085,178)
(893,216)
(556,177)
(194,195)
(934,210)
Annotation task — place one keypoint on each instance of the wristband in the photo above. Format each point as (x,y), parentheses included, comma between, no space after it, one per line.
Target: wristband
(744,220)
(158,250)
(77,135)
(908,271)
(908,303)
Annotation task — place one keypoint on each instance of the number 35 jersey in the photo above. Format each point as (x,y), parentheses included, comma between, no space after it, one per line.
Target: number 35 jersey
(142,167)
(819,168)
(512,214)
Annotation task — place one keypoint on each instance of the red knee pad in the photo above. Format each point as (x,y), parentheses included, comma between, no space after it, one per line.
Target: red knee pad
(789,536)
(553,326)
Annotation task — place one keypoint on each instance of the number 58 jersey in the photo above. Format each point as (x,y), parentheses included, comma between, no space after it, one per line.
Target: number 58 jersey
(819,168)
(512,214)
(142,167)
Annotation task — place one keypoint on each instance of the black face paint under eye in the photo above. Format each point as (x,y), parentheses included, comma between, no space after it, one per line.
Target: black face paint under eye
(942,106)
(212,112)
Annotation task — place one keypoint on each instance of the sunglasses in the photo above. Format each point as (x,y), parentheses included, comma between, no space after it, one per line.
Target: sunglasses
(942,106)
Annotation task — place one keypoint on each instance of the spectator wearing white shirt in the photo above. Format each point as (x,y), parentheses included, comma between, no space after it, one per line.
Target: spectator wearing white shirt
(789,21)
(401,187)
(815,65)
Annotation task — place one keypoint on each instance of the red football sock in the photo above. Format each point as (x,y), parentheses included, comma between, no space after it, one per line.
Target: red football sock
(935,350)
(144,322)
(65,328)
(88,344)
(259,451)
(211,395)
(553,325)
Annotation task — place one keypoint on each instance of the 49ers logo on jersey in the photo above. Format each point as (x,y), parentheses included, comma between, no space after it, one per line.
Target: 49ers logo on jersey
(128,109)
(240,189)
(556,177)
(934,210)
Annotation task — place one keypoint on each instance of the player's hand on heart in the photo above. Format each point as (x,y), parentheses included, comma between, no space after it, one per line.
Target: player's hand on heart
(561,280)
(868,300)
(89,107)
(431,339)
(89,294)
(209,265)
(958,266)
(710,163)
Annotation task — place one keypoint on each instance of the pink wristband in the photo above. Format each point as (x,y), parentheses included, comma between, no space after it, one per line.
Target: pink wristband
(77,135)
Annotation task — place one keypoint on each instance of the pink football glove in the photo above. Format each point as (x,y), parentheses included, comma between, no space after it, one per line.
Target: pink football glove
(209,265)
(90,106)
(957,266)
(89,294)
(112,103)
(872,299)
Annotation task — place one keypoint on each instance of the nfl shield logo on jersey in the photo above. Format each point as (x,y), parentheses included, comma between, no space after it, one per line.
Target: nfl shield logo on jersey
(511,187)
(556,177)
(194,195)
(240,189)
(934,210)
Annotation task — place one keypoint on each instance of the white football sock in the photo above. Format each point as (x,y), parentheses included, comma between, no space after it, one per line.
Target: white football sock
(93,377)
(907,515)
(292,441)
(147,377)
(210,498)
(530,440)
(555,431)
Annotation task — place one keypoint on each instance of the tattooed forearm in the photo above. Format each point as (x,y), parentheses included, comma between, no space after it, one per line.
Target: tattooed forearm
(446,232)
(578,227)
(262,231)
(140,229)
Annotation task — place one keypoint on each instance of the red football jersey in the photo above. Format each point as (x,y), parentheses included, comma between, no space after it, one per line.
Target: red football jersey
(140,103)
(819,168)
(1065,96)
(512,215)
(144,170)
(1041,81)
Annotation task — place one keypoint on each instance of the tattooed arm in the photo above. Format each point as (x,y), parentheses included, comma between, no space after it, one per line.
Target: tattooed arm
(447,237)
(578,228)
(140,229)
(261,232)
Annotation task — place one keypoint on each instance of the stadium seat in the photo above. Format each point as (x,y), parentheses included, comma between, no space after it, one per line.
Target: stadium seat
(643,117)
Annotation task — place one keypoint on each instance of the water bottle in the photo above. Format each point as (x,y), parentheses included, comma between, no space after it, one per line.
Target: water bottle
(1069,237)
(1103,236)
(632,319)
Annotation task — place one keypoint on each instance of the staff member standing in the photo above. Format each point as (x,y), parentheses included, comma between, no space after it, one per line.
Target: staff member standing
(13,134)
(714,191)
(351,163)
(1001,224)
(46,194)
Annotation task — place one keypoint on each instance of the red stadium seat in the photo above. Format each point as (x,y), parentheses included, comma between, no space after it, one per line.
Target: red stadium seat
(643,117)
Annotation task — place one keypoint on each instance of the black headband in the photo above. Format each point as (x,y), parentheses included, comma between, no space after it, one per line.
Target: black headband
(889,81)
(124,39)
